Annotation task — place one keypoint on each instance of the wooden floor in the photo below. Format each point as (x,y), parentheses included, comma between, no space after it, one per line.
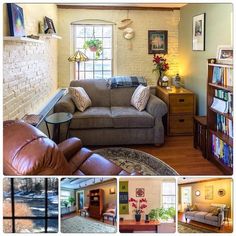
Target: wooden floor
(226,228)
(178,152)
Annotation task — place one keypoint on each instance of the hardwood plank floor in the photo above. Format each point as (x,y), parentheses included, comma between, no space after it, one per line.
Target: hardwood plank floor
(226,228)
(178,152)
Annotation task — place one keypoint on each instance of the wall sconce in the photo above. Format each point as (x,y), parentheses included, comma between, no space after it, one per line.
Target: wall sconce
(112,191)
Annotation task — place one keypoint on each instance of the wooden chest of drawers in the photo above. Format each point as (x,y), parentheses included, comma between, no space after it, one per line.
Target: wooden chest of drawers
(181,109)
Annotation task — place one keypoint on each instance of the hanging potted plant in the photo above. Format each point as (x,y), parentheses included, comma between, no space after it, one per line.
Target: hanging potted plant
(94,45)
(138,206)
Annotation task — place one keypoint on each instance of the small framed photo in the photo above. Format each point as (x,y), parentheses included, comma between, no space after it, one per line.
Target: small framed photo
(49,26)
(140,192)
(199,32)
(157,41)
(225,54)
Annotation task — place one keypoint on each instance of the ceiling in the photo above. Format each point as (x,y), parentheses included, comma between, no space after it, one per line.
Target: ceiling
(186,180)
(76,183)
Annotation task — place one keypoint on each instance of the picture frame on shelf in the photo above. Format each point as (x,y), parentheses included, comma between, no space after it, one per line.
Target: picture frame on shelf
(49,26)
(225,54)
(198,32)
(157,41)
(16,20)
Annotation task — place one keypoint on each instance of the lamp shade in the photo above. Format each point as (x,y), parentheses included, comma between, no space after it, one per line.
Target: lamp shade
(78,56)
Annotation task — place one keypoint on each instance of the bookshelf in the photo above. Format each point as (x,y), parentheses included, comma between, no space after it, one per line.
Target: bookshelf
(96,203)
(220,116)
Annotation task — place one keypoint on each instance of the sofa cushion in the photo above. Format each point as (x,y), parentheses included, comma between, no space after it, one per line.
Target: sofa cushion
(140,97)
(80,98)
(129,117)
(190,213)
(121,97)
(210,217)
(93,117)
(200,214)
(96,89)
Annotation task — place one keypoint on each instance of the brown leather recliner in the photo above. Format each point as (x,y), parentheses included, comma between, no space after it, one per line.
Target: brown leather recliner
(28,151)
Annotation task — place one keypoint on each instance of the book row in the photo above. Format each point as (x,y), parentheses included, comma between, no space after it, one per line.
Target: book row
(222,76)
(224,125)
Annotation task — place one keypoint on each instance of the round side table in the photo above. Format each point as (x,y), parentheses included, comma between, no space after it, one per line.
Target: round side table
(57,119)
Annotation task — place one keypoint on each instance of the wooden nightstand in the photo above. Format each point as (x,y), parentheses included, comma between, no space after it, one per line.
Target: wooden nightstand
(181,109)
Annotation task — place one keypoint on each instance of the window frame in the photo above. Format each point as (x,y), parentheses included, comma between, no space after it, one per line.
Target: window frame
(168,195)
(13,218)
(74,48)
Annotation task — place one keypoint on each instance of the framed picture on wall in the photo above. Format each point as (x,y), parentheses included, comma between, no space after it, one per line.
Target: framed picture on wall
(49,26)
(157,41)
(199,32)
(225,54)
(16,20)
(140,192)
(209,192)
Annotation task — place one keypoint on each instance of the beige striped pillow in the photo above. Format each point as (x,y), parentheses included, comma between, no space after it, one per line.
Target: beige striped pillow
(80,98)
(140,97)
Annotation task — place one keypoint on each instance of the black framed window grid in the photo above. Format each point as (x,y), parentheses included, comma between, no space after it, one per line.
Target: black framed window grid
(106,63)
(13,216)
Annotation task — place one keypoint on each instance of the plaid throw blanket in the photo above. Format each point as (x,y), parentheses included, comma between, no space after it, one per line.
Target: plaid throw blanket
(126,81)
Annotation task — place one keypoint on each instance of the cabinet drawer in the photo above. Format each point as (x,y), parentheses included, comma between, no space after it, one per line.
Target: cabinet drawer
(181,125)
(181,104)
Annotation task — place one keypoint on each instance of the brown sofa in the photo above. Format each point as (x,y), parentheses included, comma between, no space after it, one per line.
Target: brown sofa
(27,151)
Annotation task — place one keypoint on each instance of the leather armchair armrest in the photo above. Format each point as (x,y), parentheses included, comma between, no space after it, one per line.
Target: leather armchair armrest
(65,104)
(156,107)
(70,147)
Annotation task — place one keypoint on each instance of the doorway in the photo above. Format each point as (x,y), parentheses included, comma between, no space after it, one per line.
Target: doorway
(80,200)
(186,197)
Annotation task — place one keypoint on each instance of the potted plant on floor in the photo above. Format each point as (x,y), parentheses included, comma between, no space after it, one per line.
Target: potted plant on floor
(71,200)
(138,206)
(94,45)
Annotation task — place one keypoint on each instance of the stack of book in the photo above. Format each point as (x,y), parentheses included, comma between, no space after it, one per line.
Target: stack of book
(222,151)
(222,76)
(224,125)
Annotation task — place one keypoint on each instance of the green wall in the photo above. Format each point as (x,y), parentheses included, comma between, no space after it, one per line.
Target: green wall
(193,64)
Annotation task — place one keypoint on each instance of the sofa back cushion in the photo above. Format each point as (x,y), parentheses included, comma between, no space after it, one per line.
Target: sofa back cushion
(121,97)
(97,90)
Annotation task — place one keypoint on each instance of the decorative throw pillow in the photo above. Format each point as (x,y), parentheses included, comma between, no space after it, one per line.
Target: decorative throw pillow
(80,98)
(110,210)
(216,212)
(140,97)
(193,208)
(211,209)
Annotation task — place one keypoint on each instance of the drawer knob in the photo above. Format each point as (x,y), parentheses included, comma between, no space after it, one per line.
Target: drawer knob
(181,100)
(181,120)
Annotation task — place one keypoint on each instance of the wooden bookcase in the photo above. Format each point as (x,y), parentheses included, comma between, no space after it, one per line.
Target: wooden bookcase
(212,114)
(96,202)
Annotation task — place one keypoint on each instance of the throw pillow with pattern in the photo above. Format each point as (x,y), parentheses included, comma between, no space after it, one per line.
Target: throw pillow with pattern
(216,212)
(80,98)
(140,97)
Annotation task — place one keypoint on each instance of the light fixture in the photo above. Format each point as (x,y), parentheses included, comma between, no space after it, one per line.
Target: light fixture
(112,190)
(78,56)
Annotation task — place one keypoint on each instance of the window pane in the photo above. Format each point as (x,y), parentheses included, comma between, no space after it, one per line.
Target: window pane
(7,197)
(30,226)
(89,65)
(106,54)
(52,226)
(88,31)
(168,188)
(107,31)
(107,43)
(107,65)
(98,75)
(97,31)
(79,31)
(7,226)
(29,197)
(98,65)
(89,75)
(52,197)
(106,74)
(80,43)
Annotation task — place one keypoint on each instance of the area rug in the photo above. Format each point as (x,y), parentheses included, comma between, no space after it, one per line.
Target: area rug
(80,224)
(133,160)
(188,228)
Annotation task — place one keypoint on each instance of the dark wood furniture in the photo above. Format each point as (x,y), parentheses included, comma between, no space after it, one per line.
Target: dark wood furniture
(200,134)
(181,109)
(96,202)
(129,226)
(57,119)
(212,114)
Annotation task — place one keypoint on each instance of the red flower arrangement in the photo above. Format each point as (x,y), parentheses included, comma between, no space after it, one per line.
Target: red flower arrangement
(138,205)
(160,64)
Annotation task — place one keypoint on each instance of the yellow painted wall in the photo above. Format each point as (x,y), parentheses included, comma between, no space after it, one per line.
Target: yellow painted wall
(152,187)
(135,61)
(225,184)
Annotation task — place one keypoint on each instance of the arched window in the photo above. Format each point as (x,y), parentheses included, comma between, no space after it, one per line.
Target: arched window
(94,68)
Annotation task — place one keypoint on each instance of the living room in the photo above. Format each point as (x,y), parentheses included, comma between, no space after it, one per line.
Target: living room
(88,205)
(37,75)
(205,205)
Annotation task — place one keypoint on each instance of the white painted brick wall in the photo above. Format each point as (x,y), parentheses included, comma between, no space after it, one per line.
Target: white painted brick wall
(29,76)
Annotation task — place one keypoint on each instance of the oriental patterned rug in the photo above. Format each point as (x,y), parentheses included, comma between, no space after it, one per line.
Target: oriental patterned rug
(188,228)
(133,160)
(80,224)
